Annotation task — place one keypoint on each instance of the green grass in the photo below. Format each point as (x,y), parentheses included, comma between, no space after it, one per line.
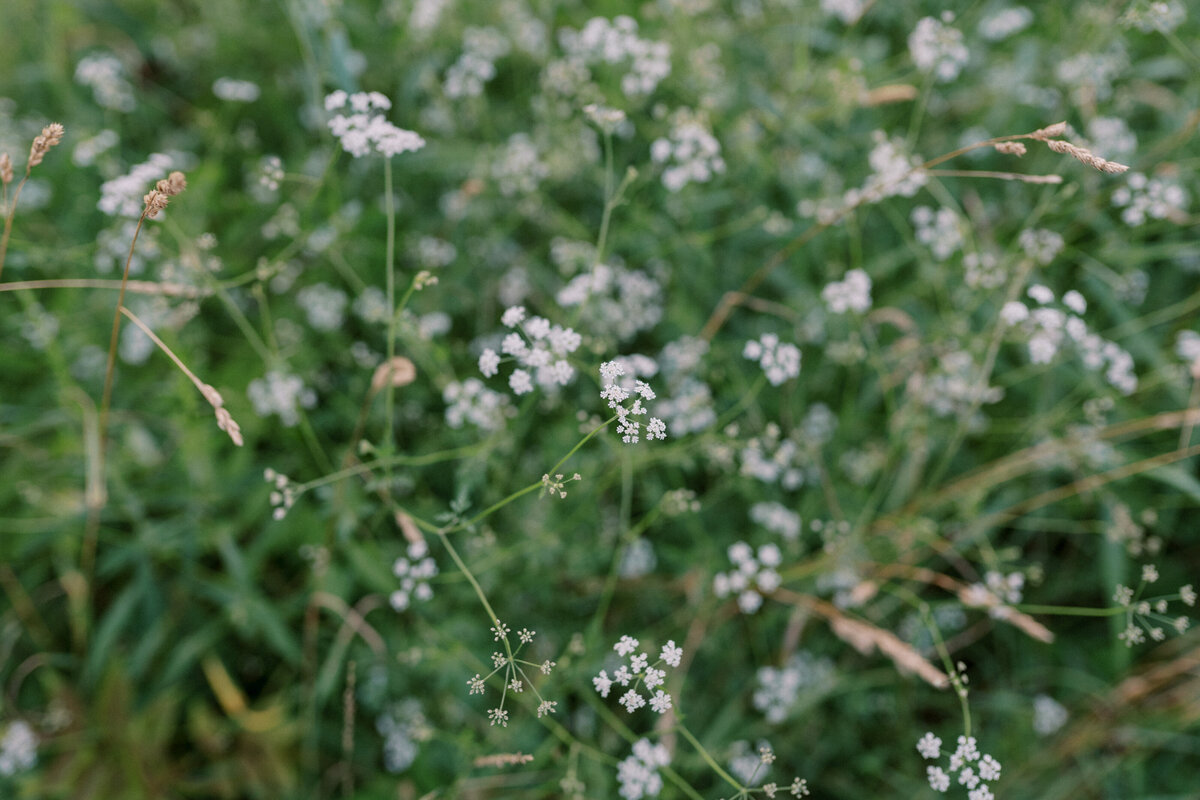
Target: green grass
(176,640)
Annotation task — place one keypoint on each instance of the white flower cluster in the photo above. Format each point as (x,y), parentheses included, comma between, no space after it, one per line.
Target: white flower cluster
(518,168)
(982,270)
(779,688)
(611,42)
(1111,137)
(848,11)
(434,253)
(482,48)
(516,677)
(628,428)
(362,130)
(1048,715)
(124,196)
(232,90)
(104,74)
(974,770)
(542,349)
(1144,617)
(282,394)
(402,726)
(1049,328)
(640,672)
(1143,198)
(283,493)
(750,765)
(689,407)
(1187,347)
(1005,22)
(998,593)
(88,150)
(638,774)
(852,293)
(937,47)
(1163,16)
(893,172)
(471,401)
(1091,74)
(939,231)
(954,387)
(571,255)
(324,305)
(772,458)
(777,518)
(1040,244)
(752,577)
(780,362)
(690,153)
(414,573)
(615,301)
(267,177)
(18,748)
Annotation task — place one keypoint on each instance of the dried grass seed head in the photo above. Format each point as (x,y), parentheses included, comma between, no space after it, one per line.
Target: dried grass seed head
(1049,132)
(155,202)
(1010,148)
(400,371)
(51,135)
(1086,156)
(6,169)
(173,184)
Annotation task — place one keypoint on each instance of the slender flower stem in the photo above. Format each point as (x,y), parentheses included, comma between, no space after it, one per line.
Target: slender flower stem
(106,398)
(462,567)
(1070,611)
(8,218)
(389,440)
(708,759)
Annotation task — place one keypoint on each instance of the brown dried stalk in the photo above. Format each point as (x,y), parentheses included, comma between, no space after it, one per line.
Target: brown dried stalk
(865,637)
(971,596)
(51,135)
(502,759)
(224,421)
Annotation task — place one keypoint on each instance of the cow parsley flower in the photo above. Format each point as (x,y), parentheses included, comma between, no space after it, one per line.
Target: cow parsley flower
(360,131)
(540,348)
(973,769)
(18,748)
(516,672)
(641,673)
(780,362)
(638,774)
(414,573)
(938,48)
(471,401)
(618,395)
(1143,198)
(690,153)
(752,577)
(281,394)
(853,293)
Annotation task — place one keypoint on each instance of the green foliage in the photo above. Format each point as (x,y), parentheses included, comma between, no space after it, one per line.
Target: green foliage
(174,639)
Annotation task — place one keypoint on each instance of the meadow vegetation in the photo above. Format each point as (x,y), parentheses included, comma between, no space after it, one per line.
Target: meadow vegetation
(560,399)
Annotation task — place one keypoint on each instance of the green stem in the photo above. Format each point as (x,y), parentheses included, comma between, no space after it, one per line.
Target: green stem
(389,440)
(1070,611)
(708,758)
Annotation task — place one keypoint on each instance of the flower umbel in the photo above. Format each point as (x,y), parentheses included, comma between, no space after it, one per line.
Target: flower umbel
(640,672)
(516,678)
